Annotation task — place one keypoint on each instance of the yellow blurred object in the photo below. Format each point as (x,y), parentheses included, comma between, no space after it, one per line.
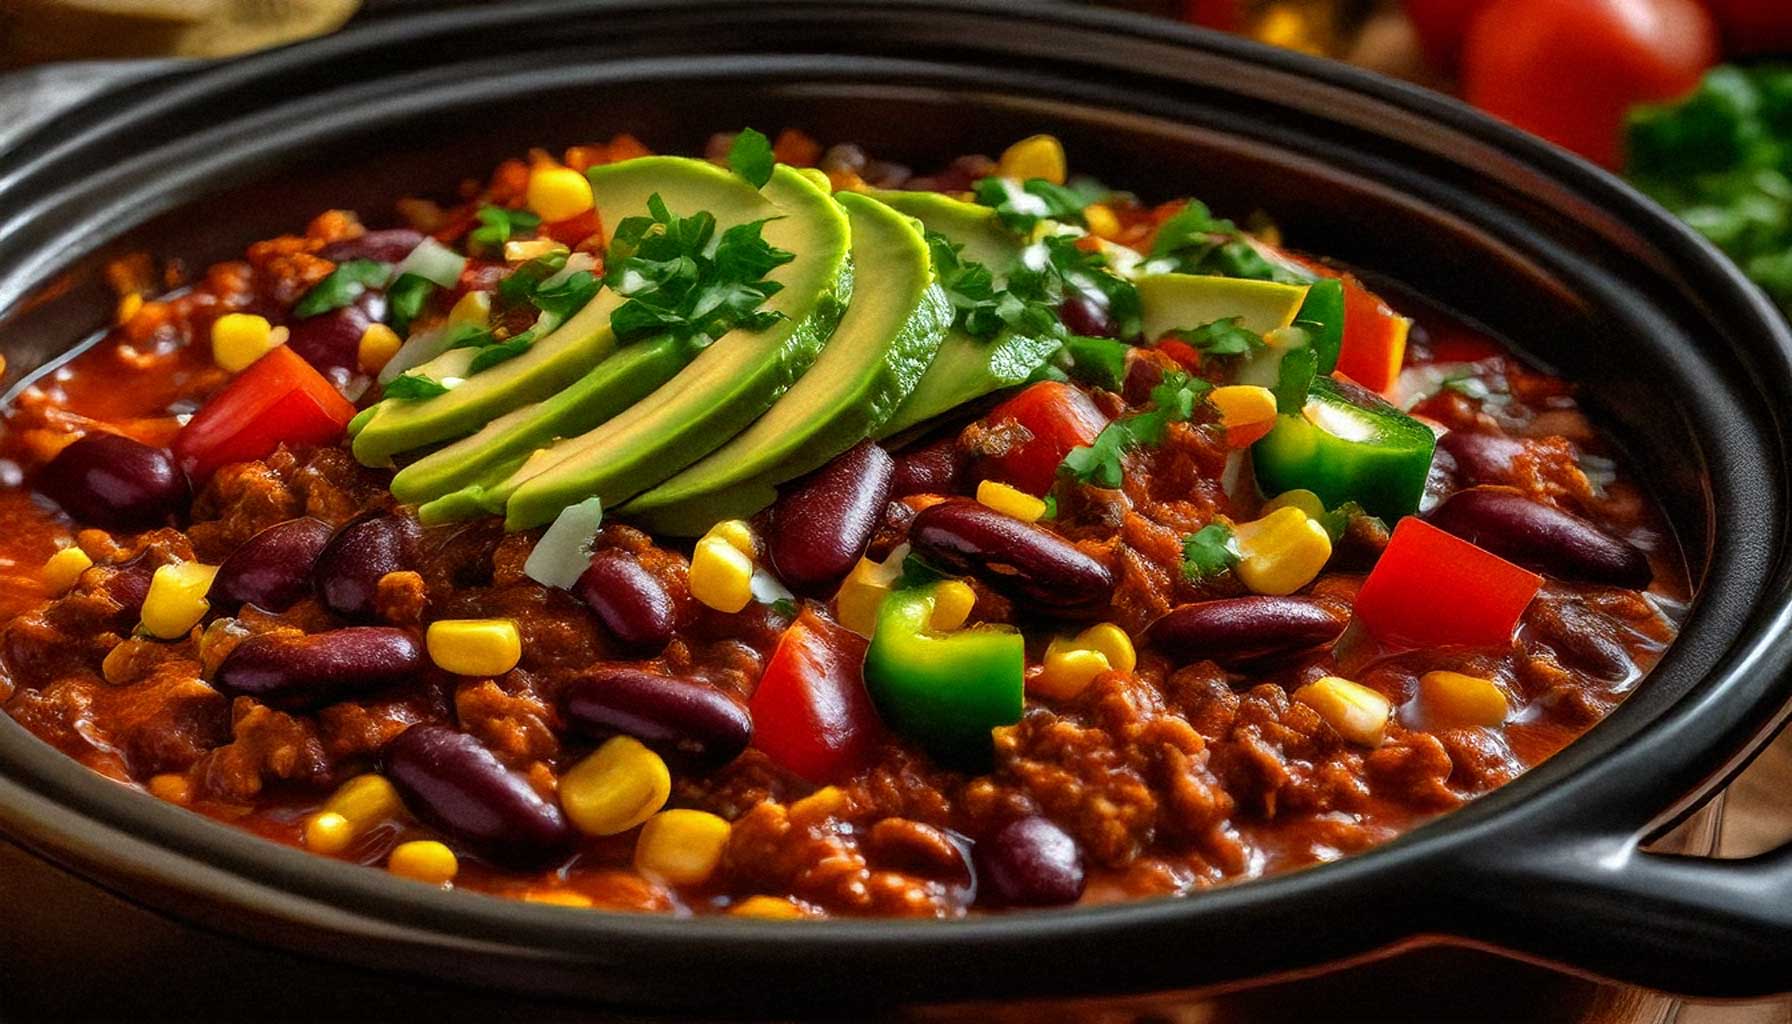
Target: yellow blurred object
(1038,156)
(63,568)
(1101,220)
(1068,670)
(771,908)
(239,339)
(171,787)
(378,345)
(1454,698)
(357,805)
(617,787)
(558,193)
(473,308)
(176,599)
(39,31)
(863,592)
(681,846)
(952,604)
(423,860)
(1302,499)
(558,898)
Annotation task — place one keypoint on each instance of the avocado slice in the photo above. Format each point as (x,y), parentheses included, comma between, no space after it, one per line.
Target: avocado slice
(1172,302)
(883,345)
(565,354)
(966,367)
(724,389)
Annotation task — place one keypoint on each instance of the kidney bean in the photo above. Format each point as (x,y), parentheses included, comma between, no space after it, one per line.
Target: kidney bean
(1481,458)
(128,584)
(683,716)
(1028,862)
(1540,537)
(348,570)
(1085,315)
(388,246)
(272,569)
(929,469)
(113,481)
(819,529)
(295,672)
(453,783)
(332,341)
(1239,630)
(1028,565)
(630,601)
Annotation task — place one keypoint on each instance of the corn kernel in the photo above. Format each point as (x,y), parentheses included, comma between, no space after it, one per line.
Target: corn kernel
(558,898)
(176,599)
(1453,698)
(952,604)
(1113,643)
(738,534)
(1243,405)
(1356,712)
(172,787)
(328,832)
(473,308)
(617,787)
(1068,670)
(1101,220)
(1281,552)
(128,306)
(474,647)
(817,807)
(534,248)
(63,568)
(863,591)
(558,193)
(239,339)
(378,345)
(1037,156)
(357,805)
(1302,499)
(770,908)
(1010,501)
(721,576)
(423,860)
(681,846)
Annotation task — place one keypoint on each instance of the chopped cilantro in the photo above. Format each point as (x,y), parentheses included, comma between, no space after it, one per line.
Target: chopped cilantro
(1067,267)
(1020,206)
(1098,361)
(411,385)
(342,286)
(1208,552)
(1099,463)
(750,156)
(520,284)
(498,224)
(917,573)
(1294,378)
(676,284)
(1221,338)
(968,284)
(468,336)
(1051,507)
(1193,241)
(568,296)
(406,298)
(785,608)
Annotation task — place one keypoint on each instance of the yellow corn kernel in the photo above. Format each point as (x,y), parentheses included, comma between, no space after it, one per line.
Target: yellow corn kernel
(357,805)
(172,787)
(328,832)
(1243,405)
(1037,156)
(771,908)
(952,603)
(558,193)
(1010,501)
(474,647)
(1068,670)
(176,600)
(63,568)
(863,591)
(1358,713)
(681,846)
(558,898)
(1101,220)
(534,248)
(817,807)
(1113,643)
(472,308)
(1281,552)
(1304,500)
(617,787)
(128,307)
(378,345)
(423,860)
(1453,698)
(738,534)
(721,576)
(239,339)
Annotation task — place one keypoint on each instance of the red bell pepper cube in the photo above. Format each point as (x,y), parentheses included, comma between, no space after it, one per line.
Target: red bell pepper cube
(1431,588)
(811,713)
(278,399)
(1374,344)
(1059,417)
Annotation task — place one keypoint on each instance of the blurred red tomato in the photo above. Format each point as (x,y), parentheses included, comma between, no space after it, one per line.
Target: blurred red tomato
(1754,26)
(1221,14)
(1441,24)
(1569,69)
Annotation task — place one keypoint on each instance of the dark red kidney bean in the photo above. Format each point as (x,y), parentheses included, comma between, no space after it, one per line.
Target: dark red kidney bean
(388,246)
(128,584)
(819,529)
(272,569)
(1035,568)
(1540,537)
(1240,630)
(1085,315)
(1028,862)
(682,716)
(630,601)
(451,782)
(930,469)
(1481,458)
(348,570)
(332,341)
(113,481)
(295,672)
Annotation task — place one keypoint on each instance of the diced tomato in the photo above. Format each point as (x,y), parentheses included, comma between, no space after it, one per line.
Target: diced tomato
(278,399)
(1431,588)
(1455,343)
(1059,417)
(811,713)
(573,230)
(1182,352)
(1374,342)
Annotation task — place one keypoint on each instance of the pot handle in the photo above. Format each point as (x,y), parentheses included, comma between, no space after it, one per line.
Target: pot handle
(1696,926)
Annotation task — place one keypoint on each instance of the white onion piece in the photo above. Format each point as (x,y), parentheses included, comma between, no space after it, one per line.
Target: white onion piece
(564,551)
(418,349)
(1232,475)
(434,262)
(768,589)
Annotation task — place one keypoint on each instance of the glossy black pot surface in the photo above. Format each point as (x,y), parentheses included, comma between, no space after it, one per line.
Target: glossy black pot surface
(1685,364)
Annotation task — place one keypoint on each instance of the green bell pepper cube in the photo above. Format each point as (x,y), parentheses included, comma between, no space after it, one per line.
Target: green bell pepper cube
(1347,444)
(1322,313)
(943,691)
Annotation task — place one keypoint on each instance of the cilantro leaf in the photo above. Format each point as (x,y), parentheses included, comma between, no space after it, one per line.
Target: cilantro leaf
(1098,361)
(1209,552)
(916,573)
(1294,378)
(676,284)
(1020,206)
(498,224)
(1099,463)
(969,285)
(1223,337)
(1194,241)
(411,385)
(341,286)
(785,608)
(750,156)
(566,297)
(520,284)
(405,300)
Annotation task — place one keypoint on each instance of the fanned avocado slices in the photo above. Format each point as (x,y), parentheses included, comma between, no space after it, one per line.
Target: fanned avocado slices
(567,353)
(885,342)
(1170,302)
(724,389)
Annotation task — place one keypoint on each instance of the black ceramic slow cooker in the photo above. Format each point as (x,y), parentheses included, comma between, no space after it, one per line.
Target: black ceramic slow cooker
(1682,361)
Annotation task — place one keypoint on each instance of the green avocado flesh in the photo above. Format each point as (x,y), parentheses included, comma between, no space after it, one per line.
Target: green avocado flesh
(565,354)
(966,368)
(883,345)
(1171,302)
(723,390)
